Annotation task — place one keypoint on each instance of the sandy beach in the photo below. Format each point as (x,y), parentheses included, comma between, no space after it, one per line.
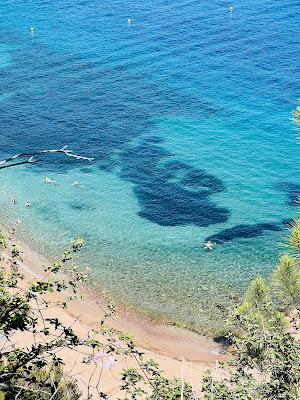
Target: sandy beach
(180,353)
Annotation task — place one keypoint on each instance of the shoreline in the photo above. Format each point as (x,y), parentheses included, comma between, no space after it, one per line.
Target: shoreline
(94,288)
(150,334)
(180,353)
(162,339)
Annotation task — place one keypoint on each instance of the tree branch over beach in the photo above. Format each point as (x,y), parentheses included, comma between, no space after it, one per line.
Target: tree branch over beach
(29,158)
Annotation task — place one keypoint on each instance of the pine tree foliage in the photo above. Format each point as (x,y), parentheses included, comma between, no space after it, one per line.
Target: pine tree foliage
(286,282)
(266,363)
(257,307)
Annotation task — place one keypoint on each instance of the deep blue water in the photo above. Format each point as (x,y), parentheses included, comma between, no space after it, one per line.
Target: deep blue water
(186,112)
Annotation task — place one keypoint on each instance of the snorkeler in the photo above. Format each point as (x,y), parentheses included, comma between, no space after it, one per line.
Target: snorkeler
(209,245)
(27,204)
(14,200)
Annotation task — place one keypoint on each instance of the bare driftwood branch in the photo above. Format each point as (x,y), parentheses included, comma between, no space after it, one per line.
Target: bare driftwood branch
(28,158)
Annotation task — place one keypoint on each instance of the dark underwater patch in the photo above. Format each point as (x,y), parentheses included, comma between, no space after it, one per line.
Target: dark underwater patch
(48,212)
(243,232)
(81,206)
(292,191)
(171,205)
(287,223)
(171,192)
(98,110)
(154,139)
(86,170)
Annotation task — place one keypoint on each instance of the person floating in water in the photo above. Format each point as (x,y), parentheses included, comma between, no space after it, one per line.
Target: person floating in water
(209,245)
(14,200)
(129,21)
(27,204)
(50,181)
(75,183)
(231,8)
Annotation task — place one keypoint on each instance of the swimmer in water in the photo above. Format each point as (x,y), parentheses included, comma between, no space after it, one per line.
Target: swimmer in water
(209,245)
(27,204)
(50,181)
(14,200)
(129,21)
(75,183)
(231,8)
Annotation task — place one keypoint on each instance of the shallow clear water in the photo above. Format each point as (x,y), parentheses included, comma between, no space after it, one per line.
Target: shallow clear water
(186,111)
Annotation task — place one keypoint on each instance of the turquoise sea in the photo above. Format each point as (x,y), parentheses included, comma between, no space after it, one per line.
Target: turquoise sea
(186,109)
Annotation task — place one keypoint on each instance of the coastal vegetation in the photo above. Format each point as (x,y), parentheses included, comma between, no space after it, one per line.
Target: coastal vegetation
(264,334)
(32,340)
